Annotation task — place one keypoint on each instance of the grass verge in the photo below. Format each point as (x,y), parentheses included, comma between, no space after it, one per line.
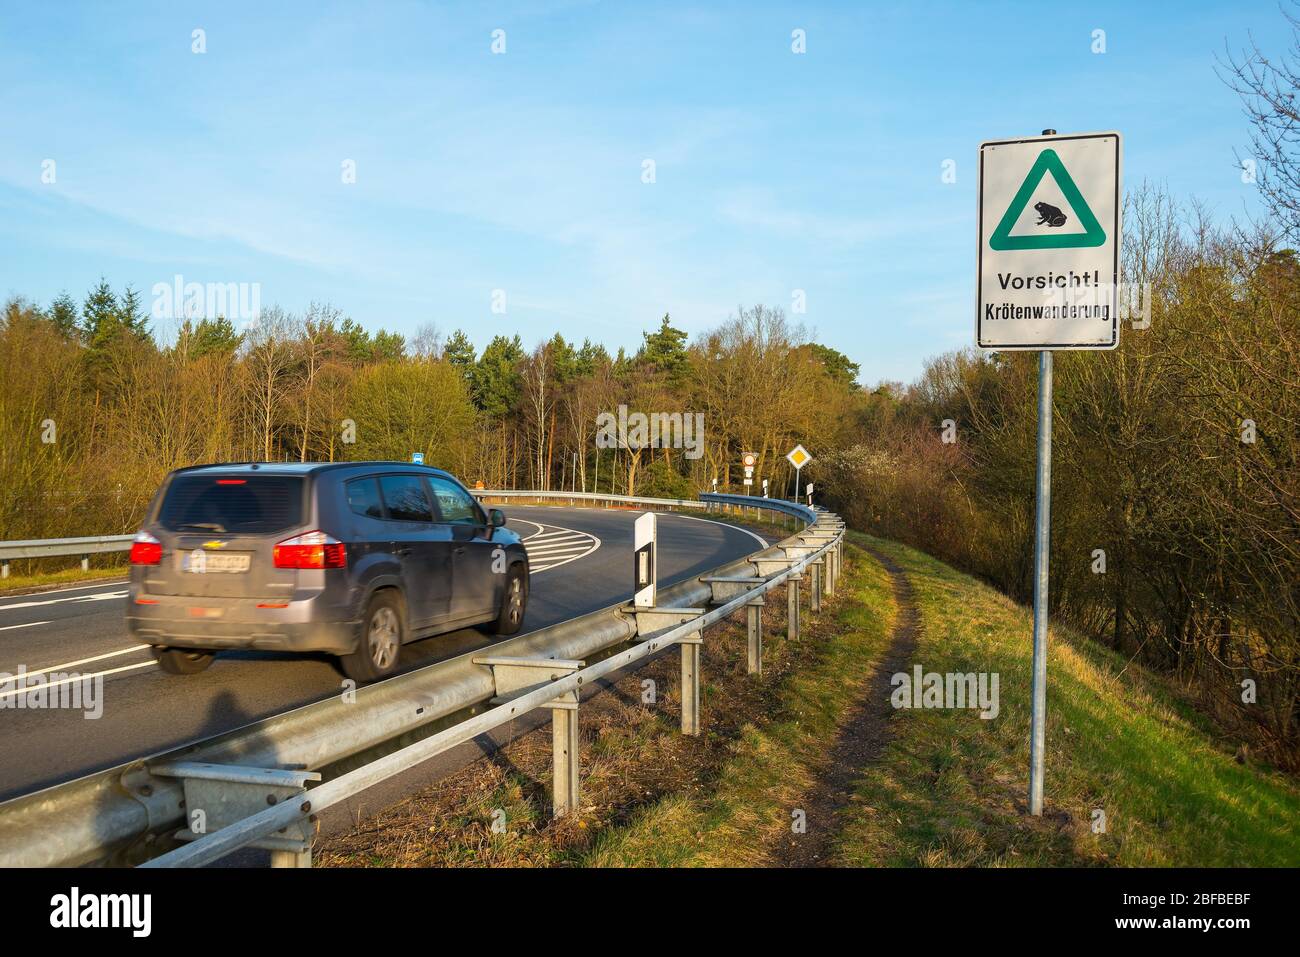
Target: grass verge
(1120,743)
(66,576)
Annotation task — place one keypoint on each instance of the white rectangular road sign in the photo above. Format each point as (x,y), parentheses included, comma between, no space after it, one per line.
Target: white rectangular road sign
(1049,242)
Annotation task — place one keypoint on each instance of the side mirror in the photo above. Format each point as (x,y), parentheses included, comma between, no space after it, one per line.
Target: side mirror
(497,517)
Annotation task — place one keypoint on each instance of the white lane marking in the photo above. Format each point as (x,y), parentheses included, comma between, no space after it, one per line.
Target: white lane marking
(69,680)
(86,661)
(107,596)
(55,591)
(562,545)
(693,518)
(558,536)
(25,625)
(540,527)
(558,549)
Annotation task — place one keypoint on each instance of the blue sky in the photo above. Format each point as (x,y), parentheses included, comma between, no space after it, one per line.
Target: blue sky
(523,171)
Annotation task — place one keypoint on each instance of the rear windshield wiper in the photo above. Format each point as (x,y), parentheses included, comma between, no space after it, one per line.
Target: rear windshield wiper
(208,526)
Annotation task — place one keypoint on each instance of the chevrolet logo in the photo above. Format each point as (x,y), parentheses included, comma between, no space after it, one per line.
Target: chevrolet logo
(215,544)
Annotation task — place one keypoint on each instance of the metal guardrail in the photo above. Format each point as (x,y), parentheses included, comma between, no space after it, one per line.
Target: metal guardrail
(47,547)
(135,812)
(708,501)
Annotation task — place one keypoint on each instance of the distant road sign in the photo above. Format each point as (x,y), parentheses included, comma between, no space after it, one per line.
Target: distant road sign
(748,460)
(1049,242)
(417,458)
(798,456)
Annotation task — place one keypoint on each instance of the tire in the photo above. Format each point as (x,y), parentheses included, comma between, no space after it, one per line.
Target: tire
(182,661)
(383,631)
(514,602)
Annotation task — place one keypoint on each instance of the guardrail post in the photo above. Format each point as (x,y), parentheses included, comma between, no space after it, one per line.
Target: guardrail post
(833,568)
(754,611)
(515,676)
(564,744)
(291,858)
(691,684)
(815,592)
(4,569)
(219,795)
(792,609)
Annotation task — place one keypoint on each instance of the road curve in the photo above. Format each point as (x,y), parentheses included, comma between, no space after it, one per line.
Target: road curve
(581,560)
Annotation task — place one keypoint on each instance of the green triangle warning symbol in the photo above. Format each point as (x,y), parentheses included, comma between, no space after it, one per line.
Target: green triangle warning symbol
(1093,234)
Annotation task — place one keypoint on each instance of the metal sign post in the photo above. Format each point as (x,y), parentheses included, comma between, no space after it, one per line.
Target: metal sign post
(1042,550)
(1048,278)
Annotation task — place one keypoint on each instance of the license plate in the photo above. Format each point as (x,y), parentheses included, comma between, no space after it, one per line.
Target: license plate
(200,562)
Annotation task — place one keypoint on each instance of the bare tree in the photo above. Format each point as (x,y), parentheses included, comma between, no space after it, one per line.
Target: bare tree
(1267,88)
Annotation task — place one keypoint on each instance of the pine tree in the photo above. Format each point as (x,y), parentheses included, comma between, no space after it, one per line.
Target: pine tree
(665,350)
(63,313)
(387,346)
(459,351)
(99,315)
(131,315)
(213,336)
(496,376)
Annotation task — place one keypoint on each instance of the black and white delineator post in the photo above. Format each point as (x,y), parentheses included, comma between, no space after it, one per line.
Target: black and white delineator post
(1048,278)
(643,561)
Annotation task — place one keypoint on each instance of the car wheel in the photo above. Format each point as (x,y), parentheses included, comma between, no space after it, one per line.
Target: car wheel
(182,661)
(514,602)
(380,643)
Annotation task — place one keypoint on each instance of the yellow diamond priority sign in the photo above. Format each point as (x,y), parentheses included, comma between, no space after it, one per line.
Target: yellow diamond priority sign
(798,457)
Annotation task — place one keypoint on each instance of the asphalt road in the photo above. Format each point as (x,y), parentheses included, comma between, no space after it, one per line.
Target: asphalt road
(581,562)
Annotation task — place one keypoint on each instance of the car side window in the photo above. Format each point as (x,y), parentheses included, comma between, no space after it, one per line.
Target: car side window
(456,506)
(363,498)
(406,499)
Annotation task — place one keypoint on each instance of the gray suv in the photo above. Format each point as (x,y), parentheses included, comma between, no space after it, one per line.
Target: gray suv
(351,558)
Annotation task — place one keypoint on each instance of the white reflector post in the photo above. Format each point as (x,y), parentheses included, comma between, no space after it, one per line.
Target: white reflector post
(643,561)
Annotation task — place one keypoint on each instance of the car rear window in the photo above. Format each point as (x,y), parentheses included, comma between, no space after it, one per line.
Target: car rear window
(232,503)
(363,498)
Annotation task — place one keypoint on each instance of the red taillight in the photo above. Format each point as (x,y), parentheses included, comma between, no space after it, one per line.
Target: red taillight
(311,550)
(232,481)
(146,550)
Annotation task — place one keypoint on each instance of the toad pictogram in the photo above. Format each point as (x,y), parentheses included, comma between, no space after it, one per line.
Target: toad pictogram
(1049,214)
